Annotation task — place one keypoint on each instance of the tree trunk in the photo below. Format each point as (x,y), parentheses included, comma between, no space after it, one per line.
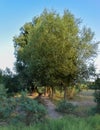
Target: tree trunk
(72,94)
(65,92)
(52,92)
(46,91)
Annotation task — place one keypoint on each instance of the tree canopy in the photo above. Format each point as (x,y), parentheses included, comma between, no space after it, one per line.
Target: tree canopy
(53,49)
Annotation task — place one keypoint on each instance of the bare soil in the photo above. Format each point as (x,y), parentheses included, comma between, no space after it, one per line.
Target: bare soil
(52,113)
(84,102)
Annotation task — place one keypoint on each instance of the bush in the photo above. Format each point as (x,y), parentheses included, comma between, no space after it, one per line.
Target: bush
(65,107)
(3,92)
(21,109)
(97,100)
(30,111)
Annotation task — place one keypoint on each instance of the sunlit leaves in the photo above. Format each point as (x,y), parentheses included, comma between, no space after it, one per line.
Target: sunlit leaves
(53,48)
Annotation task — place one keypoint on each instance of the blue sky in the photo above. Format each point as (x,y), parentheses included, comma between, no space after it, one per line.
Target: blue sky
(15,13)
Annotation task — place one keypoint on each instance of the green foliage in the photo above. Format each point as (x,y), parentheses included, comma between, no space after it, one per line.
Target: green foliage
(97,83)
(7,105)
(10,81)
(94,121)
(52,50)
(66,123)
(97,97)
(1,76)
(97,94)
(21,109)
(32,111)
(97,100)
(3,91)
(6,109)
(65,107)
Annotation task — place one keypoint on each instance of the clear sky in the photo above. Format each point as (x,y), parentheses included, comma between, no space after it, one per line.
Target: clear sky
(15,13)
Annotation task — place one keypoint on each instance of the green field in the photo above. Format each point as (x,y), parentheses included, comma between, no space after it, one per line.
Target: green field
(65,123)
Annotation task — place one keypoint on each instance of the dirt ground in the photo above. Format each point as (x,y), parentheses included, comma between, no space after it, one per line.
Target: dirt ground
(85,98)
(84,102)
(52,113)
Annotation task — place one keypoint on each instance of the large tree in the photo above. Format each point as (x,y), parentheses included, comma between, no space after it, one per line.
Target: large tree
(53,50)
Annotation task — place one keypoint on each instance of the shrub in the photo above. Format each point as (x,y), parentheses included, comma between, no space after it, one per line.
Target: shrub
(4,103)
(65,107)
(3,92)
(21,109)
(30,111)
(97,100)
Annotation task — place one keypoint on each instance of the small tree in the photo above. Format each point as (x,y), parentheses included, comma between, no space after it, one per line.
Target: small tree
(10,81)
(97,94)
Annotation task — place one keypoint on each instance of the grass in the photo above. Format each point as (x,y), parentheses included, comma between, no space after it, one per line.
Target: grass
(65,123)
(84,99)
(69,122)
